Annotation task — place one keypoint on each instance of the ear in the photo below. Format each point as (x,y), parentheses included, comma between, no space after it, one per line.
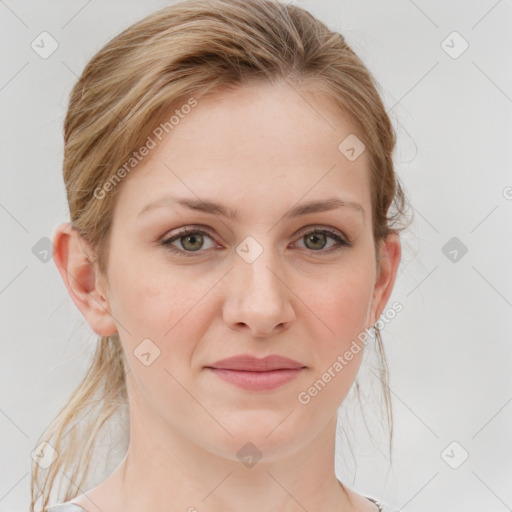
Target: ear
(391,251)
(72,256)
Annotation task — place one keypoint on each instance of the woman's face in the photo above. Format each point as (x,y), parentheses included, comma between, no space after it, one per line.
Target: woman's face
(269,281)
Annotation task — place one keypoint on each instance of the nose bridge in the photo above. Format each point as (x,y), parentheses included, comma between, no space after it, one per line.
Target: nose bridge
(257,296)
(257,268)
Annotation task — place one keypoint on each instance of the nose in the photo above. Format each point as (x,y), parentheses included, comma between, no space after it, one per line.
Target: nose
(258,298)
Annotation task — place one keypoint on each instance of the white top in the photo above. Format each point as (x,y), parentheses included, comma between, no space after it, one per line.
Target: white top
(71,507)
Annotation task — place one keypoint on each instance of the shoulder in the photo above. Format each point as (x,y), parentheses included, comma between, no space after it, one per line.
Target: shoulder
(66,507)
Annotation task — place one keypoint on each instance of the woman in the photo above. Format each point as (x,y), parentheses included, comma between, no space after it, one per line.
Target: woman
(229,176)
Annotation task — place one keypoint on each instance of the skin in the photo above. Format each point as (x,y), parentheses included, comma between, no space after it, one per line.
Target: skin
(261,149)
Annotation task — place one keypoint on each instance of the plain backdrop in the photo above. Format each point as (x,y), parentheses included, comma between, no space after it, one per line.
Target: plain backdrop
(445,75)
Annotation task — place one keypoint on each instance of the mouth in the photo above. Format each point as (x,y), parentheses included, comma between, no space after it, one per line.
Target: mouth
(250,373)
(257,381)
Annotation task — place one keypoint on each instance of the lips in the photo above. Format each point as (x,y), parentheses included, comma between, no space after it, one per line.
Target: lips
(253,374)
(249,363)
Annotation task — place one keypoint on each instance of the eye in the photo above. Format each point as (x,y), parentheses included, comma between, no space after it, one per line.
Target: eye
(316,240)
(192,241)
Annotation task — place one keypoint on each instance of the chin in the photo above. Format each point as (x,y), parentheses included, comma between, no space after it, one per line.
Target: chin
(257,434)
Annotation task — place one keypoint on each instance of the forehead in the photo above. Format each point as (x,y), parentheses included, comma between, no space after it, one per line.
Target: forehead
(272,143)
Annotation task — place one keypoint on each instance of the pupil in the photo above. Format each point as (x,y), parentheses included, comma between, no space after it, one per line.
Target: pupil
(315,237)
(193,239)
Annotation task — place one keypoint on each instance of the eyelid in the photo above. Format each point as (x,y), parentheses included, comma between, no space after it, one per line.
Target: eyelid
(168,239)
(320,227)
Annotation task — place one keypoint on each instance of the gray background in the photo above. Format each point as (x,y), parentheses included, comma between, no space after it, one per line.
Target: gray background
(449,350)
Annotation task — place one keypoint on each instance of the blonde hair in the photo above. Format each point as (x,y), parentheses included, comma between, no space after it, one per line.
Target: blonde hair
(188,50)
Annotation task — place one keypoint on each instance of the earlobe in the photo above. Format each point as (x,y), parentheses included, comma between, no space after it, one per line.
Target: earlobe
(391,254)
(79,274)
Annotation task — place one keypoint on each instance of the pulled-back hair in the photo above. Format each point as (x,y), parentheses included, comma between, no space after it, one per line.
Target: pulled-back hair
(189,50)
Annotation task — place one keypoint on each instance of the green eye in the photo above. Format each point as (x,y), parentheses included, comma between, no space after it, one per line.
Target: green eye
(192,241)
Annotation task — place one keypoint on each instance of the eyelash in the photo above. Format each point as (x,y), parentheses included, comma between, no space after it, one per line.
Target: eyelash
(341,243)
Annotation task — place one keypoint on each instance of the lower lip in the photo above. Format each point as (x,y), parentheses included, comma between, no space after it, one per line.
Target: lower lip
(257,381)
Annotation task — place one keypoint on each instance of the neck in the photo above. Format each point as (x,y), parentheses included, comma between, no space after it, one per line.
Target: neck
(164,470)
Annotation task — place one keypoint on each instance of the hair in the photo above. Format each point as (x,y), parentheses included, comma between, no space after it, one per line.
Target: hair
(189,50)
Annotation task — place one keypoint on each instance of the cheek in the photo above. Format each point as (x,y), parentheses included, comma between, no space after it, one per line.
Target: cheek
(342,303)
(343,307)
(156,303)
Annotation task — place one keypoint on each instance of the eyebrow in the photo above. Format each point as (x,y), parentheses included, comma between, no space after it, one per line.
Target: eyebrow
(215,208)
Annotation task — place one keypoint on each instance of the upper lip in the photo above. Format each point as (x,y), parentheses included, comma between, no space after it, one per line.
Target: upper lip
(250,363)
